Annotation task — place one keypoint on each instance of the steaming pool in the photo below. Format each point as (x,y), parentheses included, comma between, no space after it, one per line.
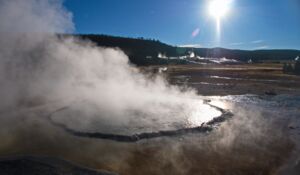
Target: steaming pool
(86,119)
(254,132)
(89,120)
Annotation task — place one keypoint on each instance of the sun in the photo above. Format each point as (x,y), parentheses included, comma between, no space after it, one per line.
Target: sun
(219,8)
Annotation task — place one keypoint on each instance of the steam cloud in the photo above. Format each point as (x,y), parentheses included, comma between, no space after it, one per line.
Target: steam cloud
(38,68)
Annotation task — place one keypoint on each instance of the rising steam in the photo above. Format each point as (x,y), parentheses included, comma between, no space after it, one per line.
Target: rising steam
(102,88)
(41,71)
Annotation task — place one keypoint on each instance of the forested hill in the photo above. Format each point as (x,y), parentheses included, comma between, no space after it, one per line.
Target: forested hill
(145,51)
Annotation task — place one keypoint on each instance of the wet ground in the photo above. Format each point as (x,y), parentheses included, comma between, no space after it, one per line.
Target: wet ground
(258,139)
(262,136)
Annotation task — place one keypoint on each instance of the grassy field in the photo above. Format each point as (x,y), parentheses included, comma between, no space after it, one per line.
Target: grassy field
(238,79)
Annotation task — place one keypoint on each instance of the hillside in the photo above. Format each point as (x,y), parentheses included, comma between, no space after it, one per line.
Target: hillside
(145,51)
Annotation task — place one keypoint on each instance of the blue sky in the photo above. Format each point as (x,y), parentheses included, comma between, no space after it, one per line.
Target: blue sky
(251,24)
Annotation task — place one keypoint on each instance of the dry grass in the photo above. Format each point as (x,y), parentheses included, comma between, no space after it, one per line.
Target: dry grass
(246,79)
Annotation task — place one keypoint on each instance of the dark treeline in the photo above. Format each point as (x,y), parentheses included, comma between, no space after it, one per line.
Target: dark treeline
(145,51)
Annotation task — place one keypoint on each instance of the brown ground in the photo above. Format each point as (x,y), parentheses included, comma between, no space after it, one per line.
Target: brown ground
(247,79)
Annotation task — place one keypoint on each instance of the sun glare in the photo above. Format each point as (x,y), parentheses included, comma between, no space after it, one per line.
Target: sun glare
(219,8)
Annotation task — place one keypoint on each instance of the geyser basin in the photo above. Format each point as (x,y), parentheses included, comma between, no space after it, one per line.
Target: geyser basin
(85,117)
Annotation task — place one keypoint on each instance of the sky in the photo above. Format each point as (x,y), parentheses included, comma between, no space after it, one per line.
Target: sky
(249,24)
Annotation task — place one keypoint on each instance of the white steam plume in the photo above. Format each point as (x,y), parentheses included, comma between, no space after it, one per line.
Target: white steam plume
(37,66)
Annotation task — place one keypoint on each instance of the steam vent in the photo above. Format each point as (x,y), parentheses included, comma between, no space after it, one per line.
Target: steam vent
(149,87)
(139,125)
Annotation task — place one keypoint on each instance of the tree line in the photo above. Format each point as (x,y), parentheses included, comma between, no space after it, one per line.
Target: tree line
(141,51)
